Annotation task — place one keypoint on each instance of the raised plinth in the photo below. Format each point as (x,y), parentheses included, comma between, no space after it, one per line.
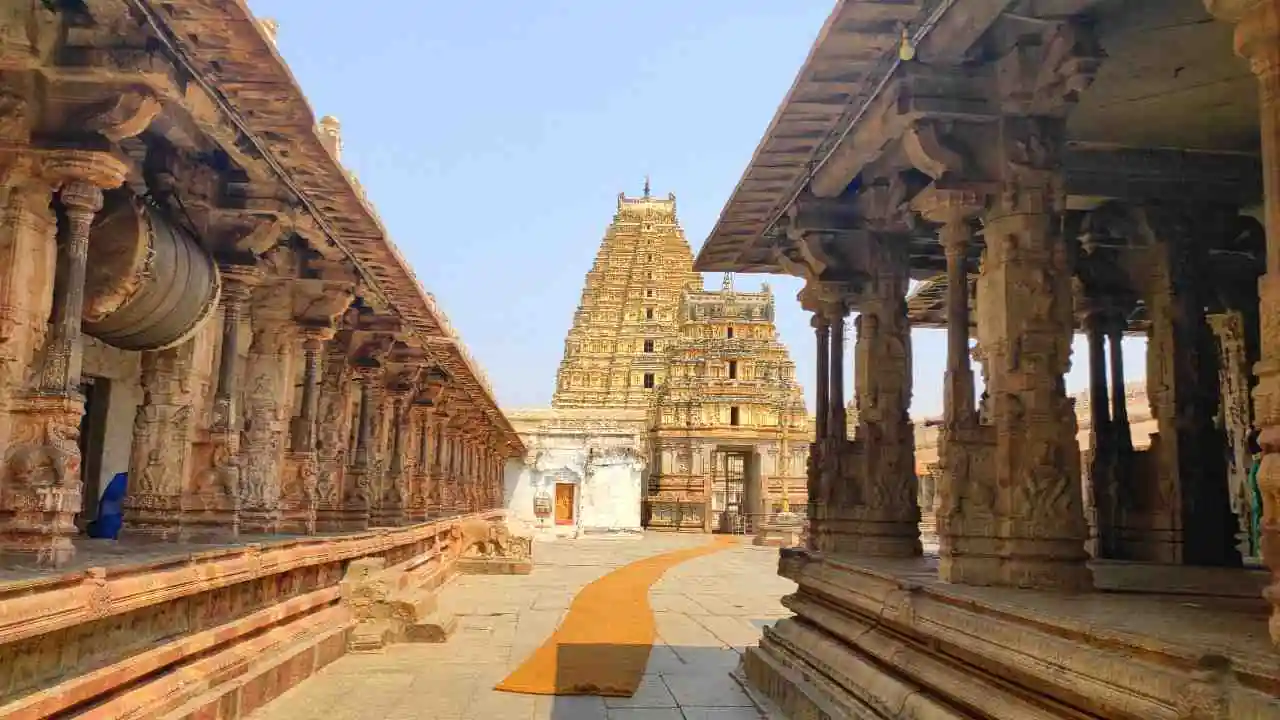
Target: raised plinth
(786,530)
(885,639)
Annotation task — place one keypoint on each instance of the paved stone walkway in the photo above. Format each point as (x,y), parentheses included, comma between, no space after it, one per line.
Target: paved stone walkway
(707,610)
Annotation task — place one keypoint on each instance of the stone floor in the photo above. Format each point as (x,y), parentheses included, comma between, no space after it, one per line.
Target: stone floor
(707,611)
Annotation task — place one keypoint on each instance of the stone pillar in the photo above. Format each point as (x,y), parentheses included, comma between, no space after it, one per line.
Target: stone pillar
(164,428)
(268,398)
(1025,325)
(41,481)
(879,504)
(333,431)
(964,495)
(1121,434)
(1237,418)
(391,507)
(436,500)
(212,508)
(416,505)
(1183,500)
(838,418)
(822,328)
(1102,456)
(1258,40)
(356,488)
(300,498)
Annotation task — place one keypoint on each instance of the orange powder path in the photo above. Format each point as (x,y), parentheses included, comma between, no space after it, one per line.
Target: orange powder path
(603,644)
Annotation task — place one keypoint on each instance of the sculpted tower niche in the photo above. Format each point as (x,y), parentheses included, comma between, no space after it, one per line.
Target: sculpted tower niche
(614,355)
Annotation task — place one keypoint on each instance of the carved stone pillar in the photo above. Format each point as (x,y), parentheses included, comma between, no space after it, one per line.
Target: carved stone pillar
(333,431)
(1177,509)
(391,507)
(212,507)
(962,509)
(876,511)
(268,399)
(822,328)
(164,430)
(1258,40)
(356,488)
(436,500)
(1025,326)
(300,499)
(417,508)
(40,491)
(1237,418)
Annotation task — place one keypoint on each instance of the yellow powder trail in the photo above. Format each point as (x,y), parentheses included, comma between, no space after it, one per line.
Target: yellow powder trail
(603,645)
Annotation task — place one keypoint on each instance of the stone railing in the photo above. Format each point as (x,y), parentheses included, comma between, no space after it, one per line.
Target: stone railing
(176,637)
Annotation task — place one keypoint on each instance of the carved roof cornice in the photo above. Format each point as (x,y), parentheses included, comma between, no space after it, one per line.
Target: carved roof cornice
(234,61)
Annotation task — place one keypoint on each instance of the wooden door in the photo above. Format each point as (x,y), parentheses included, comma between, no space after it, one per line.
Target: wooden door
(564,503)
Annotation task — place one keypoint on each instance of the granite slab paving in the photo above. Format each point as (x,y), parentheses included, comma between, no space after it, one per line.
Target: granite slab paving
(707,611)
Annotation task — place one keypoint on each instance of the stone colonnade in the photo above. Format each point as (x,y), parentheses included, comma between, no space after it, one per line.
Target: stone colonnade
(1010,509)
(271,417)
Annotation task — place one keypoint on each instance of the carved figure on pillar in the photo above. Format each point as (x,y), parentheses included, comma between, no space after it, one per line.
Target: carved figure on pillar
(300,492)
(332,430)
(268,396)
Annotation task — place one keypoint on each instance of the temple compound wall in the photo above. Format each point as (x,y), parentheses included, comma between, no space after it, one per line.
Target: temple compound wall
(237,436)
(582,472)
(1052,170)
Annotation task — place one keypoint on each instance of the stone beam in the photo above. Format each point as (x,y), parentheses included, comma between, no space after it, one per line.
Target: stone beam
(1233,179)
(915,93)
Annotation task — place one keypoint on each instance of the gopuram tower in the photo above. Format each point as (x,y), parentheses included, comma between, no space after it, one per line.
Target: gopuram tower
(675,407)
(614,355)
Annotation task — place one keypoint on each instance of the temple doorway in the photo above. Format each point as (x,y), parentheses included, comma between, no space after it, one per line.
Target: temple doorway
(728,491)
(565,494)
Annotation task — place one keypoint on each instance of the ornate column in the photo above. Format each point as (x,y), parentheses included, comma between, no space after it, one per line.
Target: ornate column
(436,500)
(1237,415)
(964,493)
(416,508)
(212,507)
(878,510)
(41,482)
(391,507)
(1180,511)
(1121,436)
(333,431)
(355,498)
(1258,40)
(1025,325)
(268,399)
(300,487)
(164,429)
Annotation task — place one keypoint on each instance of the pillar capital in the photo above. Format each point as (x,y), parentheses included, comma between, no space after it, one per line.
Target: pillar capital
(948,206)
(1257,37)
(78,173)
(238,280)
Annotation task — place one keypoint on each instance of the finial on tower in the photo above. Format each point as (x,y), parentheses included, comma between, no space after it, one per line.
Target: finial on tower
(727,283)
(646,187)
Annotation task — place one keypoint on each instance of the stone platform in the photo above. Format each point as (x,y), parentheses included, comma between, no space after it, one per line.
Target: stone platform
(885,639)
(212,631)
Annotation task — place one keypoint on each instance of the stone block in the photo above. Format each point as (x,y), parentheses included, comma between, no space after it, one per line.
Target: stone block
(495,566)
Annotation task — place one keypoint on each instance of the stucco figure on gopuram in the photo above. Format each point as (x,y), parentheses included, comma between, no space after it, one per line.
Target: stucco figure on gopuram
(195,292)
(1048,170)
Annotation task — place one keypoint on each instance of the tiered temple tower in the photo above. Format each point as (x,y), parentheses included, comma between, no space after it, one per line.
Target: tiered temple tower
(729,434)
(614,355)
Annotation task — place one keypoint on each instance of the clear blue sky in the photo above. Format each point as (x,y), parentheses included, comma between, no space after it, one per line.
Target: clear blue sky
(494,138)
